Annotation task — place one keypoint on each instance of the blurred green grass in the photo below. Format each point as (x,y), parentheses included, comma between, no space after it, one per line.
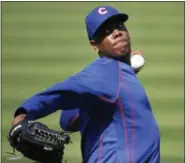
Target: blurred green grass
(45,42)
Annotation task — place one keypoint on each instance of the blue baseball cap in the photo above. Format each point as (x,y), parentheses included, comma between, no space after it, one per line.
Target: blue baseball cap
(100,15)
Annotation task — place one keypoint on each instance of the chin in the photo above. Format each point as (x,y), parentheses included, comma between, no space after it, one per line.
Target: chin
(123,57)
(120,53)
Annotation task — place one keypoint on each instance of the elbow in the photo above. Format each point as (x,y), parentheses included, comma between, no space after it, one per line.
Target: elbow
(70,125)
(64,125)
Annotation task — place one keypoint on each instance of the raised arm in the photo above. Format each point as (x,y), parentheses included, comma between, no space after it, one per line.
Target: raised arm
(78,89)
(47,102)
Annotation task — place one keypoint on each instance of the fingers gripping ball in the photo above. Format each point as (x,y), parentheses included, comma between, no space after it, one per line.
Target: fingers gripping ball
(137,60)
(38,142)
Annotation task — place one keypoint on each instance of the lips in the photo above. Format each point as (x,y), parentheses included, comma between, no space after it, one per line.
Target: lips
(121,43)
(119,40)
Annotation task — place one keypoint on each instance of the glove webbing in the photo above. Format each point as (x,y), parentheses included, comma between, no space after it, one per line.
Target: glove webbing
(50,137)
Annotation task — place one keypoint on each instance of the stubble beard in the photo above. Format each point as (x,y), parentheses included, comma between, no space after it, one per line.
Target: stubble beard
(124,56)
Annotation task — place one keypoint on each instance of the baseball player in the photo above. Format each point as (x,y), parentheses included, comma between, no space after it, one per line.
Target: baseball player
(118,125)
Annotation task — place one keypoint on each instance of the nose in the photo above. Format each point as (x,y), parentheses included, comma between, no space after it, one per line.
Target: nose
(116,33)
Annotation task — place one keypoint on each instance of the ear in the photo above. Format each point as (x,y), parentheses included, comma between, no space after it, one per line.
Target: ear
(94,46)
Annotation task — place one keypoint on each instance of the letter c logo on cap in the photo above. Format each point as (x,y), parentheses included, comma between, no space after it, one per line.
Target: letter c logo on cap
(102,10)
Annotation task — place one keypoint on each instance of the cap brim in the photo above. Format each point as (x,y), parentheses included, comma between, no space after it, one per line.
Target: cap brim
(121,17)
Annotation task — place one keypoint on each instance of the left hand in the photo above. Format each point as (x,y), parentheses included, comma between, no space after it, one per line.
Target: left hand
(38,142)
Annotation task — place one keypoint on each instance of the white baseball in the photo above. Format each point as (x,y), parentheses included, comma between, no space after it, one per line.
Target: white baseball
(137,61)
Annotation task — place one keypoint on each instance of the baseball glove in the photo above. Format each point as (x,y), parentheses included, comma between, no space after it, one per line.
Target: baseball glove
(38,142)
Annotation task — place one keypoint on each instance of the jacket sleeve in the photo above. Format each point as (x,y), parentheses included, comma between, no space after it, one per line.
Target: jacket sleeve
(100,79)
(49,101)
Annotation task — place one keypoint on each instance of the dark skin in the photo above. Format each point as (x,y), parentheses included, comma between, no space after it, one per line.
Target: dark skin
(112,40)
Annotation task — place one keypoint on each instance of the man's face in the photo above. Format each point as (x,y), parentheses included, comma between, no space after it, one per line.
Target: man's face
(113,39)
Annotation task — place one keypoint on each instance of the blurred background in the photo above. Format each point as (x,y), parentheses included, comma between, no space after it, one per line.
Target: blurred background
(45,42)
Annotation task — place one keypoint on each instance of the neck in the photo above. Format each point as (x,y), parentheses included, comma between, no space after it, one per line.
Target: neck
(122,58)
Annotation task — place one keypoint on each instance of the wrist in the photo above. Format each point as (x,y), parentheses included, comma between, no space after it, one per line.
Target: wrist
(18,119)
(19,115)
(20,111)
